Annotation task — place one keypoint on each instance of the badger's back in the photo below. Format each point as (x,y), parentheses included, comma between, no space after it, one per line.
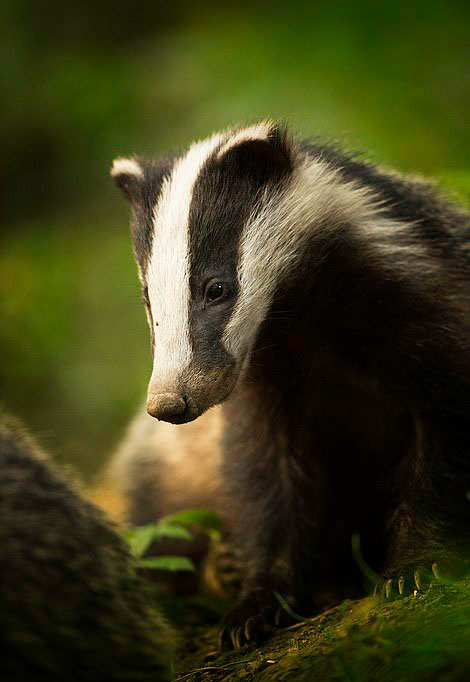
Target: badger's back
(159,469)
(70,604)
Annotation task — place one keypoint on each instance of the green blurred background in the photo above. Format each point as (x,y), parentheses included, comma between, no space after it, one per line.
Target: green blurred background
(85,82)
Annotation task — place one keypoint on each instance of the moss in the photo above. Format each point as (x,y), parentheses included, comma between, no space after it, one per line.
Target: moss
(417,639)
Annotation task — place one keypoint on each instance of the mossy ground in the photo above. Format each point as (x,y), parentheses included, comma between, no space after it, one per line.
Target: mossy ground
(421,638)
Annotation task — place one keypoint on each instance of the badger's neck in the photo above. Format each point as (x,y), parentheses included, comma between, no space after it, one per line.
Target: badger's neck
(308,265)
(316,325)
(285,241)
(297,326)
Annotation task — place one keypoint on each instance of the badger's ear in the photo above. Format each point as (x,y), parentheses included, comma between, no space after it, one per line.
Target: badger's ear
(128,174)
(263,152)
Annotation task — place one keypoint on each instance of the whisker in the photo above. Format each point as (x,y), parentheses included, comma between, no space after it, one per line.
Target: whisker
(258,350)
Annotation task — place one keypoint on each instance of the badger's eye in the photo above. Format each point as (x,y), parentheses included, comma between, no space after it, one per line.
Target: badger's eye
(215,291)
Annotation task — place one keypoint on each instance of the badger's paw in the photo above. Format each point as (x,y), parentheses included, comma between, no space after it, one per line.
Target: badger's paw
(404,584)
(412,581)
(252,620)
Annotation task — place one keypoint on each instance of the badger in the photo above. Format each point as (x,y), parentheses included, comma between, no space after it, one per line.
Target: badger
(323,304)
(157,470)
(71,606)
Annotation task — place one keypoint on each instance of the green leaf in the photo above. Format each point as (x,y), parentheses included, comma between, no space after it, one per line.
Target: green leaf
(168,563)
(365,569)
(139,539)
(203,518)
(290,611)
(165,529)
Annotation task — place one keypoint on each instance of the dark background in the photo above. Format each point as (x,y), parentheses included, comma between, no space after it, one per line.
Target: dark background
(85,82)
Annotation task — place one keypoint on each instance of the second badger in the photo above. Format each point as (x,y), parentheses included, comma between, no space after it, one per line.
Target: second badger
(325,302)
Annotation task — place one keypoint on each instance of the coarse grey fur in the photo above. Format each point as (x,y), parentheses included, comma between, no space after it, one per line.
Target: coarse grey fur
(339,349)
(71,606)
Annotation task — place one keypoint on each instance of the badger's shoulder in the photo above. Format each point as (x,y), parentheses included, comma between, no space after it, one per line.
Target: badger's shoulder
(402,196)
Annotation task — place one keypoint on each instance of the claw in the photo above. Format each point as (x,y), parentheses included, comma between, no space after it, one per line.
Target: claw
(401,585)
(388,588)
(422,580)
(238,641)
(249,627)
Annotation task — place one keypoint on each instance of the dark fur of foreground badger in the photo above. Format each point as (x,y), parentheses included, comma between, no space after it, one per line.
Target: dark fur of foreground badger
(71,606)
(327,303)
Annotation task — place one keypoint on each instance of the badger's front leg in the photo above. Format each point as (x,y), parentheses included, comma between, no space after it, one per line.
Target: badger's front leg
(430,529)
(258,536)
(272,501)
(256,612)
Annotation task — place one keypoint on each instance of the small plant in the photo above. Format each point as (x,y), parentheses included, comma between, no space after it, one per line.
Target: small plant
(175,527)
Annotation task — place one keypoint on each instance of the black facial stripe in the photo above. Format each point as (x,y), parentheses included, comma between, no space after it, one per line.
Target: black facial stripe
(220,205)
(142,227)
(218,210)
(226,192)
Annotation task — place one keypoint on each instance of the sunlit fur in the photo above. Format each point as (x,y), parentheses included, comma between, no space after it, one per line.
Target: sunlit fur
(259,131)
(159,469)
(123,166)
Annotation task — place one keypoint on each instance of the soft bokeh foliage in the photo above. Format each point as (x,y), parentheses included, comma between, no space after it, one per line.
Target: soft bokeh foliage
(86,82)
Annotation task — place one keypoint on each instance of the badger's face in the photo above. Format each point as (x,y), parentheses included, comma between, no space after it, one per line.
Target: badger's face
(204,282)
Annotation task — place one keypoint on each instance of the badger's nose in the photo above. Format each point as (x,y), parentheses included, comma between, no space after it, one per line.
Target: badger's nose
(170,407)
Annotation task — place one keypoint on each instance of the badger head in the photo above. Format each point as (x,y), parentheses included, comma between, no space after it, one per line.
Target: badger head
(199,243)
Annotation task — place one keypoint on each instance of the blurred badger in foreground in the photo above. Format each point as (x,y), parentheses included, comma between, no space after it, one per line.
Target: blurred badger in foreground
(71,607)
(325,302)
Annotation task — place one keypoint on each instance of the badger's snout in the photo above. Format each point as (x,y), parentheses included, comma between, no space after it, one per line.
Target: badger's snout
(180,397)
(171,407)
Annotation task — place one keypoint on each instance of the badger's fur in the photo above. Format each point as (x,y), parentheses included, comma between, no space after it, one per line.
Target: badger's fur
(158,470)
(71,607)
(325,302)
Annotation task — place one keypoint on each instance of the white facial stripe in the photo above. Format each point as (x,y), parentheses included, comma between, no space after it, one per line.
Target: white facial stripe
(276,234)
(260,131)
(123,166)
(168,269)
